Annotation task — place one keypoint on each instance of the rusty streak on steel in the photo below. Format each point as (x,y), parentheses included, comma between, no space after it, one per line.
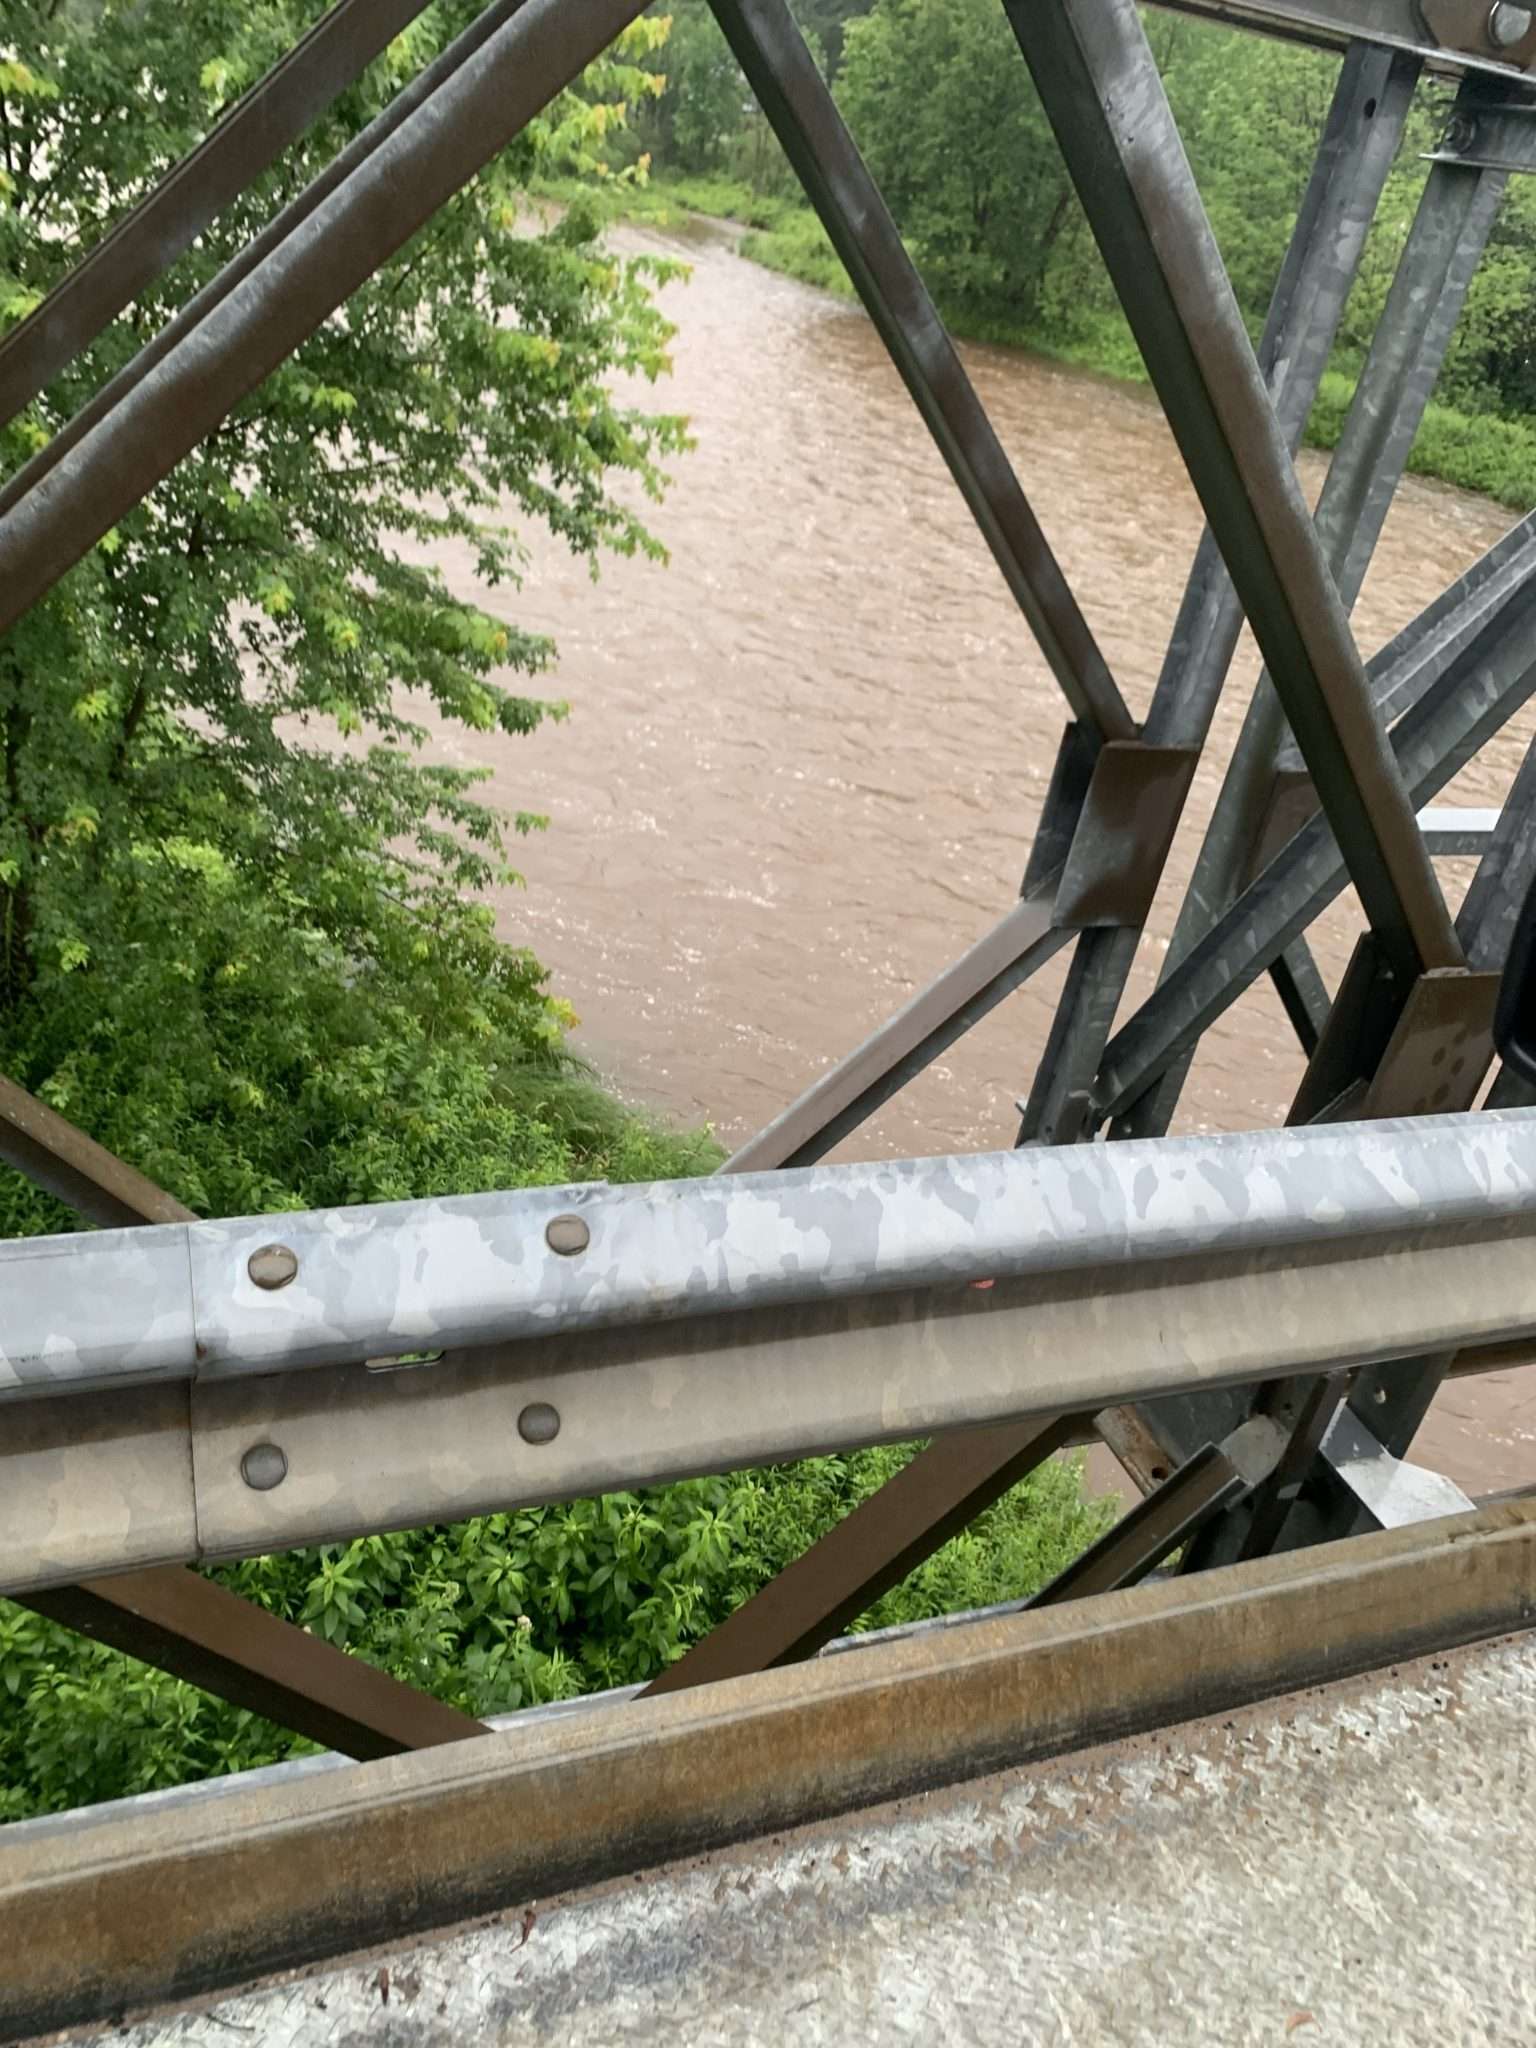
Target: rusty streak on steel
(171,1617)
(475,112)
(1100,88)
(218,288)
(144,244)
(795,98)
(870,1550)
(120,1909)
(210,1637)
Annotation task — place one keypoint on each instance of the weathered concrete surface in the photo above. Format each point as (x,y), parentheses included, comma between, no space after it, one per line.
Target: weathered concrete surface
(1354,1866)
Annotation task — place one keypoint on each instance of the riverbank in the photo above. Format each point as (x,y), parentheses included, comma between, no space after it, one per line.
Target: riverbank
(1474,451)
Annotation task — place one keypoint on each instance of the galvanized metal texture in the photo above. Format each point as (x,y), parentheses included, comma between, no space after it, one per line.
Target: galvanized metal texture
(1489,677)
(598,1338)
(173,1618)
(1451,225)
(1392,1494)
(1130,813)
(144,244)
(644,1403)
(180,1301)
(1100,87)
(1366,120)
(117,1912)
(1392,24)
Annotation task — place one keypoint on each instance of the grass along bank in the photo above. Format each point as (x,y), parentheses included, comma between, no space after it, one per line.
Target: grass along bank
(1481,452)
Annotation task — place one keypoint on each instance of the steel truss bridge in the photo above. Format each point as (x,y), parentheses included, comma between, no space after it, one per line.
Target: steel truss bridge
(1254,1324)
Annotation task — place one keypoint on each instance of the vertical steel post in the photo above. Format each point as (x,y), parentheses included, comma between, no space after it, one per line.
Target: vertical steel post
(1359,143)
(1450,229)
(1100,88)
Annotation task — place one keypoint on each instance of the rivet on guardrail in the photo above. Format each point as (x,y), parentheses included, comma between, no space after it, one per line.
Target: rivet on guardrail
(539,1423)
(263,1467)
(272,1266)
(567,1235)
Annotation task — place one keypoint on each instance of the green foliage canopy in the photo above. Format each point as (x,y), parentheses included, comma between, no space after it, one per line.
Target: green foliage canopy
(218,839)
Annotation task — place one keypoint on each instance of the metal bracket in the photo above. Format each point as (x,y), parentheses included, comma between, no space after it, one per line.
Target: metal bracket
(1440,1048)
(1130,812)
(1494,29)
(1392,1492)
(1384,1053)
(1216,1477)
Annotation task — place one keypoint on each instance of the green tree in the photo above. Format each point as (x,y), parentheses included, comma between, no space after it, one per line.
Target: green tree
(825,25)
(704,103)
(945,113)
(218,836)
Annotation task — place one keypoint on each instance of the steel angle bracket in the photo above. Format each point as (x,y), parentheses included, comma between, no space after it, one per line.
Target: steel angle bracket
(1391,1493)
(1130,814)
(1109,819)
(1500,32)
(1388,1053)
(1441,1046)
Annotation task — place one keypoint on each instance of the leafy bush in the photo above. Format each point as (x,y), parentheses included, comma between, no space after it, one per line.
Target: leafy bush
(499,1613)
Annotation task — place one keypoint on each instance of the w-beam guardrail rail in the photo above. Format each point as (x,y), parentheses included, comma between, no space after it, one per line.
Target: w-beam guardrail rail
(1255,1325)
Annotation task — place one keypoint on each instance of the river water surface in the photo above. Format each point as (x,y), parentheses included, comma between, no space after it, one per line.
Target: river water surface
(804,762)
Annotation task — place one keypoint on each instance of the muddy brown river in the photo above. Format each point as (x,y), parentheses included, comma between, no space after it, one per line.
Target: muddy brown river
(804,762)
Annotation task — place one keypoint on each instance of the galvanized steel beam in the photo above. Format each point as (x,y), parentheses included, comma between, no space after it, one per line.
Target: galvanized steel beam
(254,1296)
(1451,226)
(1099,85)
(1491,675)
(1465,43)
(1118,1273)
(1356,150)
